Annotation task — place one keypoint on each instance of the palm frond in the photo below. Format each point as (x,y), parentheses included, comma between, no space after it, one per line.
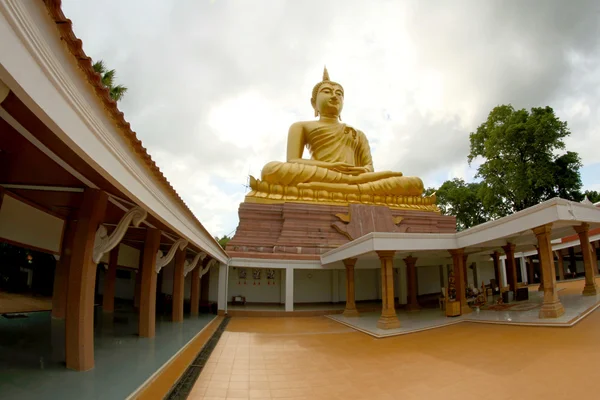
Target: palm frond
(108,79)
(117,92)
(99,67)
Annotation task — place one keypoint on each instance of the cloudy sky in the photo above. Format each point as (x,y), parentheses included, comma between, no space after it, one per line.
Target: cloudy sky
(215,84)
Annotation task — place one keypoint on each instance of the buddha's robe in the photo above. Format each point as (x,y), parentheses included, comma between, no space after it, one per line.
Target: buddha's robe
(340,143)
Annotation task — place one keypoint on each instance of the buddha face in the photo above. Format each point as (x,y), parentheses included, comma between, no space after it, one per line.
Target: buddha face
(330,99)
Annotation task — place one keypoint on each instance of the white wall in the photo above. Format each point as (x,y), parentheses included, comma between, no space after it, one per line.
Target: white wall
(485,271)
(128,257)
(470,274)
(250,288)
(312,286)
(428,279)
(342,284)
(366,284)
(24,224)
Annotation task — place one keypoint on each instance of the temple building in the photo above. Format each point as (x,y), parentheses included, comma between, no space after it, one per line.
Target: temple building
(114,274)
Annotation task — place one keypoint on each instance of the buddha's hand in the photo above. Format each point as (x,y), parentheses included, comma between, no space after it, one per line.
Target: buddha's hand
(345,168)
(358,170)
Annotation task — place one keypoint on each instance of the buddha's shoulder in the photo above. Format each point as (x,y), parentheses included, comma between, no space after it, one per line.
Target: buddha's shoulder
(303,127)
(305,124)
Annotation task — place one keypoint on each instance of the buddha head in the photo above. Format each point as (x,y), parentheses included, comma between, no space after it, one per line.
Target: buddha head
(327,97)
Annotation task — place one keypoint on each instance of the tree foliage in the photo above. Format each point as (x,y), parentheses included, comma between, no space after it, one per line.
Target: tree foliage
(108,79)
(223,240)
(463,200)
(592,196)
(522,163)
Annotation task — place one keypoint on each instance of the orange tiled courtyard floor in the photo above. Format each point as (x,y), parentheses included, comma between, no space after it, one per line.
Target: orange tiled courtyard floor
(316,358)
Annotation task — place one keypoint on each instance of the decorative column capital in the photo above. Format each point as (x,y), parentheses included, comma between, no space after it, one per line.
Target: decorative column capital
(583,228)
(457,252)
(509,248)
(386,254)
(495,255)
(410,261)
(350,262)
(542,230)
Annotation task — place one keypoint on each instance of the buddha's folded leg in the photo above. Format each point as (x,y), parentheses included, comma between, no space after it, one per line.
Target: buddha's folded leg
(373,177)
(292,174)
(331,187)
(395,186)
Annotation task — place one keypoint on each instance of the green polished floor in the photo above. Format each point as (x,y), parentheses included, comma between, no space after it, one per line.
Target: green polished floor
(32,356)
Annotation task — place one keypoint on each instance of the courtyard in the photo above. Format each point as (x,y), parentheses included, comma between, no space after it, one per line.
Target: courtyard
(318,358)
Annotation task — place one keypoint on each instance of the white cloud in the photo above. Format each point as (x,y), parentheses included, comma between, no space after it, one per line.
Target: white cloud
(214,85)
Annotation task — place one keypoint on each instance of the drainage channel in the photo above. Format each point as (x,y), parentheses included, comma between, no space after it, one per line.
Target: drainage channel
(184,385)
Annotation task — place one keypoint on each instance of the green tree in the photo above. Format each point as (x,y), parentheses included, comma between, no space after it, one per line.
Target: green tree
(522,164)
(108,79)
(592,196)
(463,200)
(223,240)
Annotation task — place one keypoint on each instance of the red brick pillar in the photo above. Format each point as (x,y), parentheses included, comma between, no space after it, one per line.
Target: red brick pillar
(459,274)
(590,264)
(79,328)
(61,274)
(148,288)
(195,290)
(388,319)
(511,266)
(350,310)
(551,307)
(178,286)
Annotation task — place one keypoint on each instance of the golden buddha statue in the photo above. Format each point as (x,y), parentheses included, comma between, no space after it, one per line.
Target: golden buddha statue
(340,170)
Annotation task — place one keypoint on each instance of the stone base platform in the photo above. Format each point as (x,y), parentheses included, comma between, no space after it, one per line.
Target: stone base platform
(305,231)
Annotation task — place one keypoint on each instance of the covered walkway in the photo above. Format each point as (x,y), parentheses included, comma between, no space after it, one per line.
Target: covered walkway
(77,183)
(31,350)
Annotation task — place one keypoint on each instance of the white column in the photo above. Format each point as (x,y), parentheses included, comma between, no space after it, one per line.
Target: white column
(289,289)
(335,286)
(222,294)
(523,269)
(503,271)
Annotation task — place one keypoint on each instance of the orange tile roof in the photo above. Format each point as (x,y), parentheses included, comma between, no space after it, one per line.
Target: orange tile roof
(75,46)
